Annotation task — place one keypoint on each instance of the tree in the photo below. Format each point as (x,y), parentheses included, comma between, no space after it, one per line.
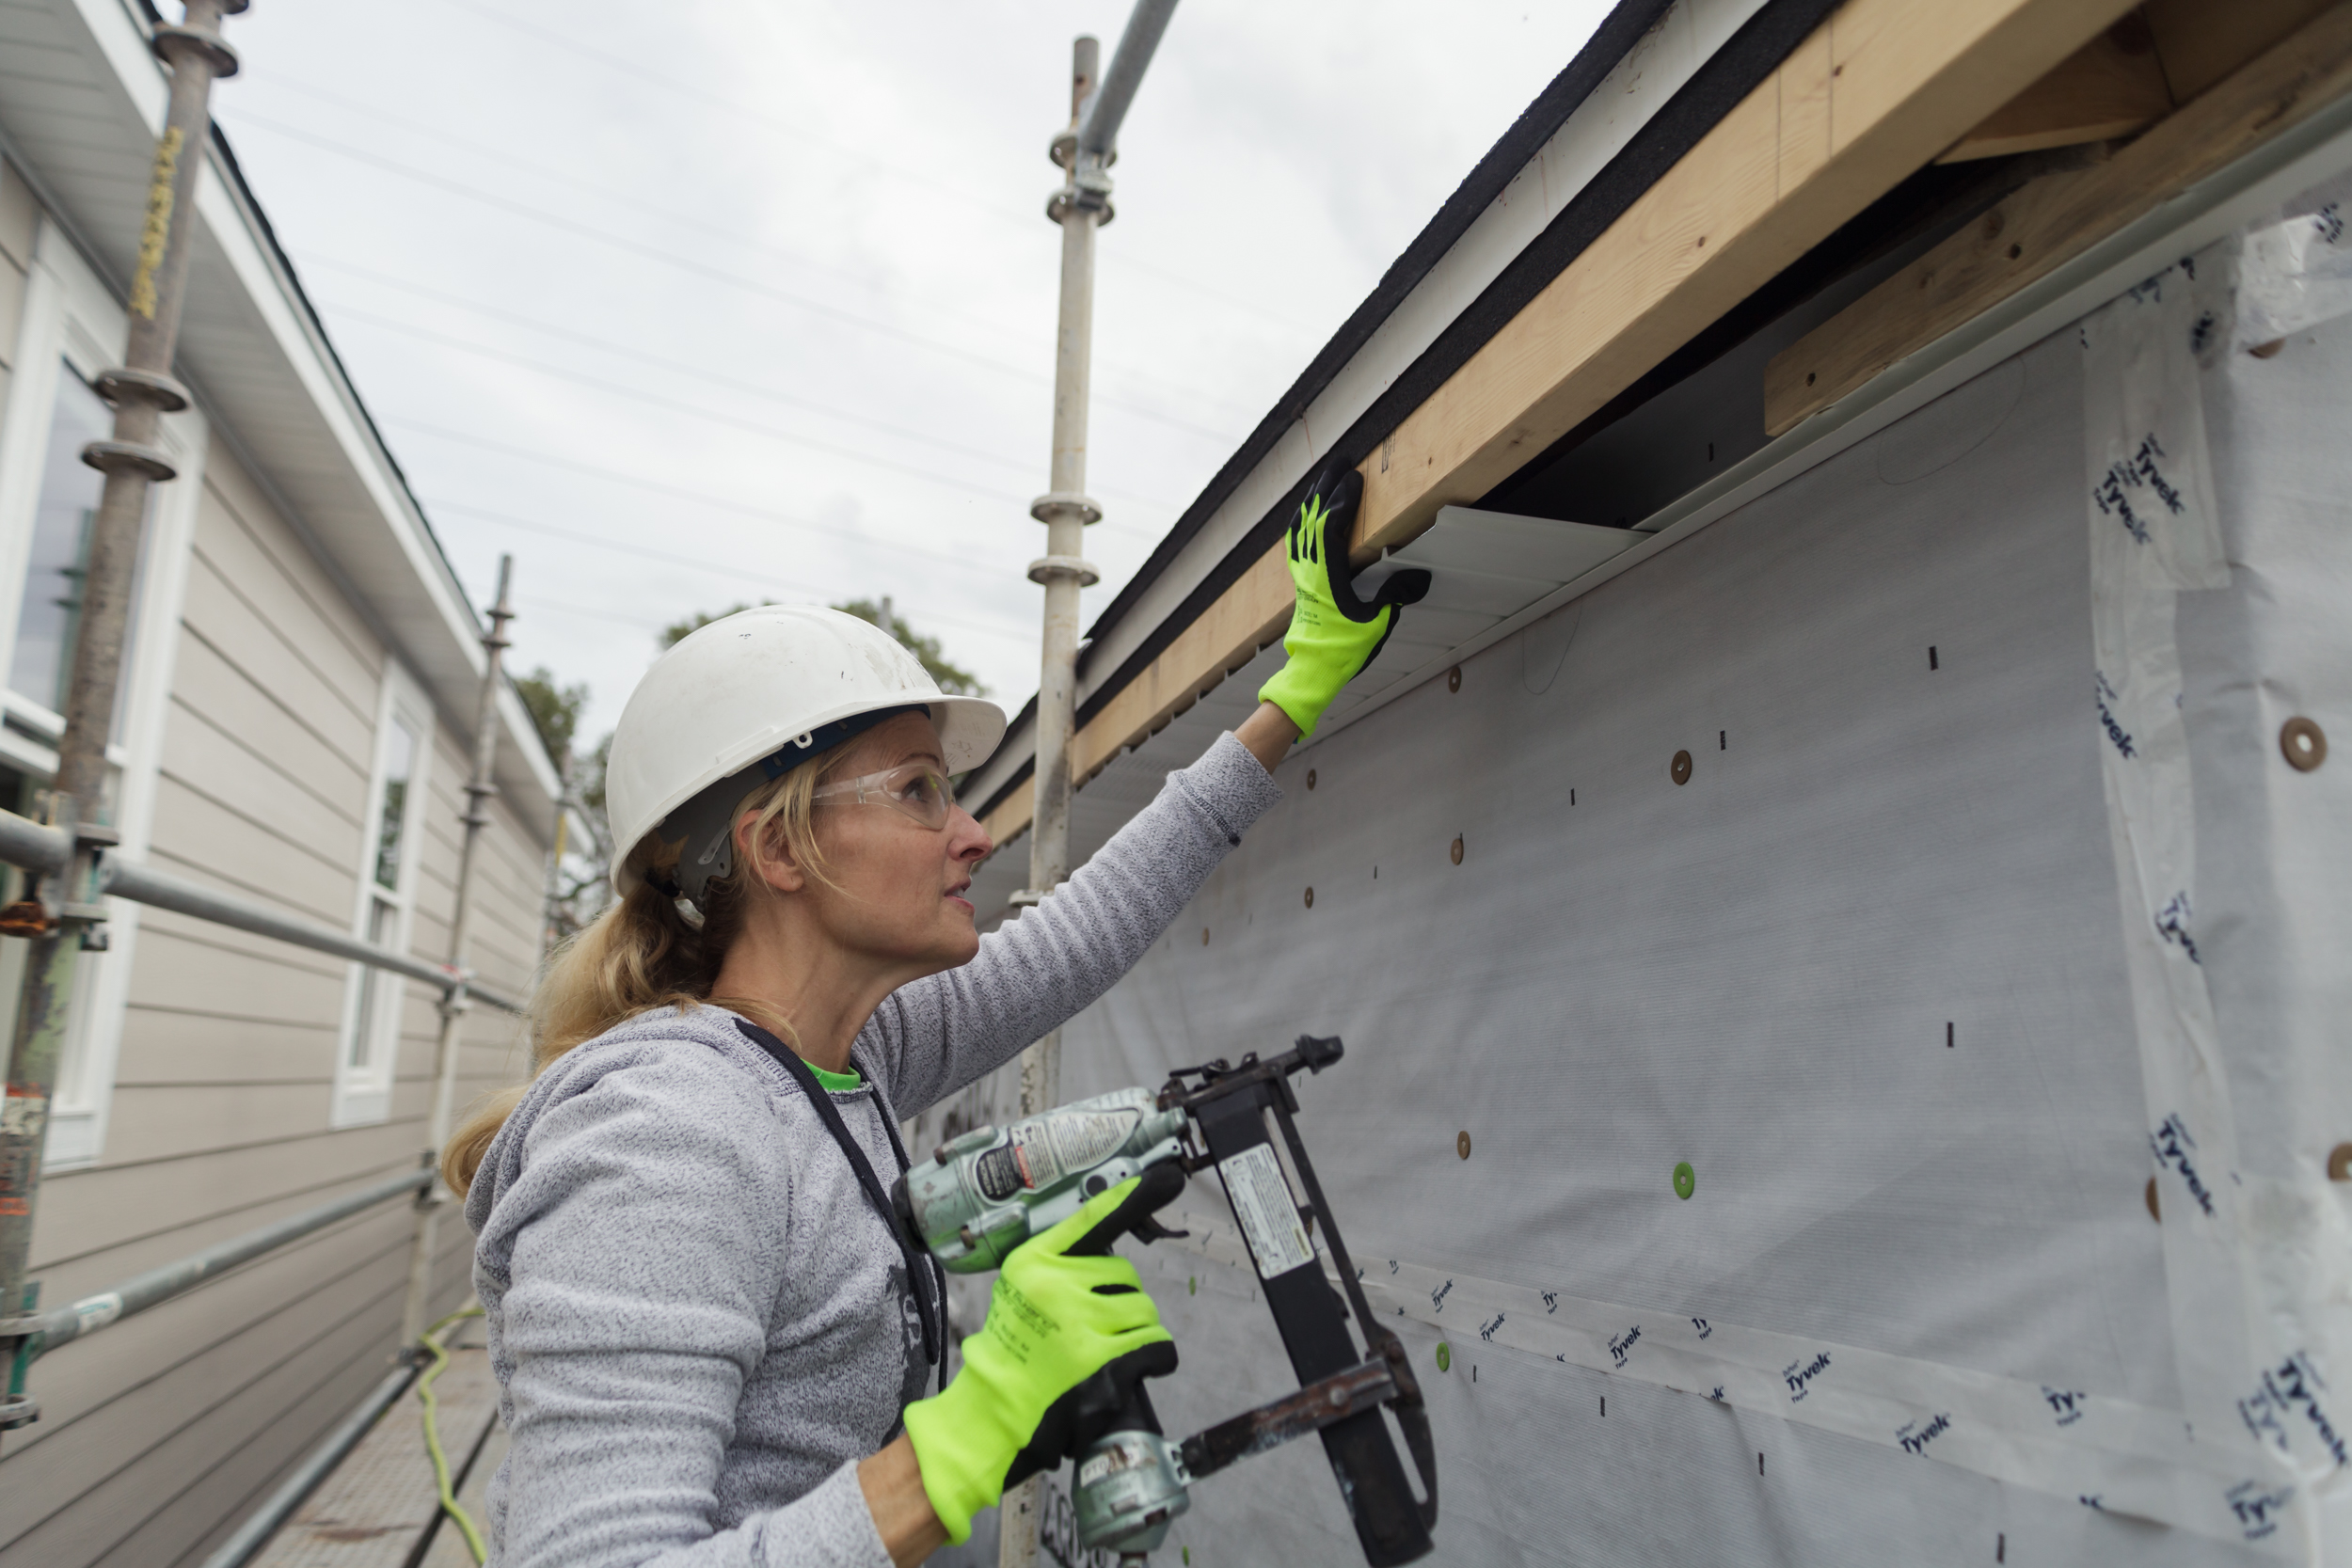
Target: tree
(555,709)
(952,678)
(580,889)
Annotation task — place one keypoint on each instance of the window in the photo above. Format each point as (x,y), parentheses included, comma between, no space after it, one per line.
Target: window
(70,328)
(67,506)
(388,875)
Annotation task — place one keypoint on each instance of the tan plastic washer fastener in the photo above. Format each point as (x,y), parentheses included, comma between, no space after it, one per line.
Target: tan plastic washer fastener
(2304,744)
(1455,849)
(1461,1144)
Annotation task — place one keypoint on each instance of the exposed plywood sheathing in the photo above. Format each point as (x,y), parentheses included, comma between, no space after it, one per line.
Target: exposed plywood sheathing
(2114,85)
(1873,94)
(2058,218)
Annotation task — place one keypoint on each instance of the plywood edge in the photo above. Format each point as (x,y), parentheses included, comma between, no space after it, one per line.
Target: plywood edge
(2112,86)
(2058,218)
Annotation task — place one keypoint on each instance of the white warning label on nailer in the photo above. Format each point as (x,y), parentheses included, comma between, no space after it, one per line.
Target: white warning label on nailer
(1261,1201)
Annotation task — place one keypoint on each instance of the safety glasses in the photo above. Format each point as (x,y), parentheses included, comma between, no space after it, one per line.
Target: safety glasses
(914,790)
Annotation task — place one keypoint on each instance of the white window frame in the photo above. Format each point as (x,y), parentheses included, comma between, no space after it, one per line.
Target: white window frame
(375,1001)
(71,323)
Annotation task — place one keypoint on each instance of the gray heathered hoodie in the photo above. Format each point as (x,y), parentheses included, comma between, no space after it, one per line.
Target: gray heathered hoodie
(698,1321)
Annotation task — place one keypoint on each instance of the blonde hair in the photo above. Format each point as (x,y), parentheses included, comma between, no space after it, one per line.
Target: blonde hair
(643,953)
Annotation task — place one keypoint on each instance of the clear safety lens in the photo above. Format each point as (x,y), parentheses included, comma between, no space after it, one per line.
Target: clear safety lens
(915,789)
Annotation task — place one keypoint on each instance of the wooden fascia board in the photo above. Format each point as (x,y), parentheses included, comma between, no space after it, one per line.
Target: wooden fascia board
(2058,218)
(1871,95)
(1878,90)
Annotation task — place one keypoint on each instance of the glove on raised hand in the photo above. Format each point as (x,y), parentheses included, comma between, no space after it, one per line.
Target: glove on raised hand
(1334,633)
(1053,1321)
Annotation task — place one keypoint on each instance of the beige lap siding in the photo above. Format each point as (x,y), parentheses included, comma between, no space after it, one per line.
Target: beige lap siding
(161,1434)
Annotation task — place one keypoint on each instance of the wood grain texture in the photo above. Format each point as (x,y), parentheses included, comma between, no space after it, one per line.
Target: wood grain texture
(2114,85)
(1251,613)
(1907,79)
(2200,41)
(2058,218)
(1875,93)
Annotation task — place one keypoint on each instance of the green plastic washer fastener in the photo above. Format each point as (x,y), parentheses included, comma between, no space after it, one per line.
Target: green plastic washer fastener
(1686,1181)
(1445,1356)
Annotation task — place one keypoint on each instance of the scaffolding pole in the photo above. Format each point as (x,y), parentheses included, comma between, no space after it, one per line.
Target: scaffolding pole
(66,915)
(1086,151)
(478,791)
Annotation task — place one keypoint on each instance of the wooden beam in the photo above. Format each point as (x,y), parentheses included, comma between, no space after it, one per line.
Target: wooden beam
(1010,815)
(1874,94)
(1878,90)
(2200,41)
(2056,218)
(1248,615)
(2112,86)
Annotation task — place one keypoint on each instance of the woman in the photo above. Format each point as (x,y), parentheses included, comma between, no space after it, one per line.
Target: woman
(712,1342)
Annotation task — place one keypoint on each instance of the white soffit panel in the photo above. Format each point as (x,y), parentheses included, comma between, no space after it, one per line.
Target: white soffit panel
(1485,567)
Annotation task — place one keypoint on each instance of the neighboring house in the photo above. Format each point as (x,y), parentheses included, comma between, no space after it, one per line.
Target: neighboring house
(1837,902)
(295,728)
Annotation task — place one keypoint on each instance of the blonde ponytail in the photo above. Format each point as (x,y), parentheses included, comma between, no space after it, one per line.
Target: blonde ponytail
(643,953)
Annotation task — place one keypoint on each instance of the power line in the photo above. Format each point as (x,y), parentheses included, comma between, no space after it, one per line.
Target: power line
(510,207)
(680,405)
(660,487)
(636,71)
(732,571)
(700,372)
(735,237)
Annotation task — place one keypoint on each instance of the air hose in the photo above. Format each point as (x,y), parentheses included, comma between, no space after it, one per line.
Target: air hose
(433,1432)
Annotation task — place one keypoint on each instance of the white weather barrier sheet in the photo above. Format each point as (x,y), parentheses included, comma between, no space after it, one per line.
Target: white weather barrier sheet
(1991,907)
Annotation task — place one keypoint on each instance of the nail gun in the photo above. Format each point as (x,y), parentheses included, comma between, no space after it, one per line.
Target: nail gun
(989,1191)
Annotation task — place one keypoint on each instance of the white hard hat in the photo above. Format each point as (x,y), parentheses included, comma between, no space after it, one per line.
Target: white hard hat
(755,693)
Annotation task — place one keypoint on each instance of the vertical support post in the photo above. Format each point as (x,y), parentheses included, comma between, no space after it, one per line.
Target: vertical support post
(1065,510)
(479,789)
(71,917)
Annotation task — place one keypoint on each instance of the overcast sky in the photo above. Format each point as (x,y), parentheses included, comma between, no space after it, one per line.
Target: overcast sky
(700,303)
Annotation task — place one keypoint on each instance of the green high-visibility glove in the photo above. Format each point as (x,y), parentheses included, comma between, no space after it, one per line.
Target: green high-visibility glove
(1334,633)
(1053,1321)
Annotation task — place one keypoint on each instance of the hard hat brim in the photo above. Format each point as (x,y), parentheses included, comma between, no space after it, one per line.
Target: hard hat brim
(970,730)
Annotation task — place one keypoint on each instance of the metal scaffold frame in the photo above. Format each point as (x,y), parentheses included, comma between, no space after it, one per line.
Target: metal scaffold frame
(71,865)
(1084,151)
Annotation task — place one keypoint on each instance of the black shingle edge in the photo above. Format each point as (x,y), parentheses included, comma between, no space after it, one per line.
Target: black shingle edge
(1720,84)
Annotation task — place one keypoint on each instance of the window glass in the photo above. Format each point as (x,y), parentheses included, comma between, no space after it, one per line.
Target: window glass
(374,985)
(46,623)
(400,760)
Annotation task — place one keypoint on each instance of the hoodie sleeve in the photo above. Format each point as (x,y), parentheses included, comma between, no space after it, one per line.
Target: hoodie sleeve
(1049,962)
(642,1255)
